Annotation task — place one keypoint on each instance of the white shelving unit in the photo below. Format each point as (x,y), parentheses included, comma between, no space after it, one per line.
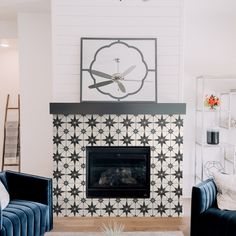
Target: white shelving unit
(208,157)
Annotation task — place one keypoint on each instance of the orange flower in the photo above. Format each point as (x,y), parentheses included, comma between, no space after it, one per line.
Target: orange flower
(212,101)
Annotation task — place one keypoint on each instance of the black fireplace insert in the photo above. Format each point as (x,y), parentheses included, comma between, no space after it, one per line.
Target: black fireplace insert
(115,172)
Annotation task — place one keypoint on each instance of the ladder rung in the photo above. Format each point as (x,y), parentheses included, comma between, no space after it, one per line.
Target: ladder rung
(13,108)
(11,165)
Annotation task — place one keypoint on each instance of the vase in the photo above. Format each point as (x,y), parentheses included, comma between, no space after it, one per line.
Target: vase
(213,136)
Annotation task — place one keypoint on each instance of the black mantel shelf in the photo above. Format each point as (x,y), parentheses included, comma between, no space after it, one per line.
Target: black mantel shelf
(118,108)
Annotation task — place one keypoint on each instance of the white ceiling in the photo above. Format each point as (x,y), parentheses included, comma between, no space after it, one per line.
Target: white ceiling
(10,8)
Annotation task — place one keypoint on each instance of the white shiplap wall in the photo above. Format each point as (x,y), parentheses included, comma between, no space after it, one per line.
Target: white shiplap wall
(73,19)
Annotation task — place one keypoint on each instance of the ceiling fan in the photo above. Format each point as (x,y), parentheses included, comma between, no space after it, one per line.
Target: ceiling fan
(115,78)
(142,0)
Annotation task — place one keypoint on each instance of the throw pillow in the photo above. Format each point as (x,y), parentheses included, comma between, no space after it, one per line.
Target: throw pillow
(4,196)
(226,187)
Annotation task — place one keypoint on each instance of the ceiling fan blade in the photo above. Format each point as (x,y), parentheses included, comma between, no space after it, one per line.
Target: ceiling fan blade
(121,86)
(136,80)
(97,85)
(126,72)
(101,74)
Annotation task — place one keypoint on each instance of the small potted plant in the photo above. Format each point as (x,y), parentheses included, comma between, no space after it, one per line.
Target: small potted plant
(212,101)
(112,228)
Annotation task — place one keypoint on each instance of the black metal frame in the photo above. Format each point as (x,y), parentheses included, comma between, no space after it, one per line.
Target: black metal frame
(110,42)
(118,192)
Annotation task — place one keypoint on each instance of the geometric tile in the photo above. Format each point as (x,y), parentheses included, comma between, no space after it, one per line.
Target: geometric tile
(71,135)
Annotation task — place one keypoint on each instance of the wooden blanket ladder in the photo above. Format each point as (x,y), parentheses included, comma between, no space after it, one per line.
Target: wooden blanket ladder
(11,139)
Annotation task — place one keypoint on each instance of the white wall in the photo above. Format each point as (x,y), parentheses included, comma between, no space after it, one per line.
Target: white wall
(8,29)
(73,19)
(9,83)
(209,48)
(34,31)
(210,36)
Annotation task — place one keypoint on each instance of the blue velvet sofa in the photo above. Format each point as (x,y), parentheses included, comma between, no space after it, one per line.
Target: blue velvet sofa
(29,212)
(206,218)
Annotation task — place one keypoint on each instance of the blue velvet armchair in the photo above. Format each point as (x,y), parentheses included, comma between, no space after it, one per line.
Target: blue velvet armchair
(206,218)
(29,212)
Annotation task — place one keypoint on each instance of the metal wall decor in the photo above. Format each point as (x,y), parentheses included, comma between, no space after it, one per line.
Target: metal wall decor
(119,69)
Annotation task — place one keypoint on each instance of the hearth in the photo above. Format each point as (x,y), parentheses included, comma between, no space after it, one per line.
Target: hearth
(116,172)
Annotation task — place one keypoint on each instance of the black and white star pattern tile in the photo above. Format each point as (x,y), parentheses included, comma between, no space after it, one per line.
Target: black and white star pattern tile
(72,133)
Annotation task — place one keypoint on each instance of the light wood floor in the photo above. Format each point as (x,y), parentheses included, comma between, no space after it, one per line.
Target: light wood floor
(93,224)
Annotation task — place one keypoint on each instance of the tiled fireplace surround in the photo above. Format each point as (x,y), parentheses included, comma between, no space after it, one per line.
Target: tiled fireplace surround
(74,131)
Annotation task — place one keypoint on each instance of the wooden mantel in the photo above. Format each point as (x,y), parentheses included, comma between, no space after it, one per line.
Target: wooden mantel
(134,108)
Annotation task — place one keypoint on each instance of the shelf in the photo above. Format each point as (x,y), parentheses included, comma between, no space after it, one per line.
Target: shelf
(229,160)
(212,77)
(224,127)
(226,110)
(228,93)
(220,145)
(207,110)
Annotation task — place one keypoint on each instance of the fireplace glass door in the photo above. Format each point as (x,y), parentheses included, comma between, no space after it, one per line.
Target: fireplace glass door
(118,172)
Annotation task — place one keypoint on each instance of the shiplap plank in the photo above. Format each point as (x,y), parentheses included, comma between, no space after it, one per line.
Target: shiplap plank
(67,69)
(115,3)
(68,77)
(168,70)
(67,40)
(68,80)
(167,60)
(75,60)
(105,30)
(118,21)
(75,40)
(67,49)
(118,12)
(66,85)
(75,70)
(168,41)
(74,50)
(67,60)
(75,78)
(167,79)
(168,50)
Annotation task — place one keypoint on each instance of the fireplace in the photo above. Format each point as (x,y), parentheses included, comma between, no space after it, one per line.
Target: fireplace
(118,172)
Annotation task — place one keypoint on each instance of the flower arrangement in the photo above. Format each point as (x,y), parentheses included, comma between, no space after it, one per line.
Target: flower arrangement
(212,101)
(112,229)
